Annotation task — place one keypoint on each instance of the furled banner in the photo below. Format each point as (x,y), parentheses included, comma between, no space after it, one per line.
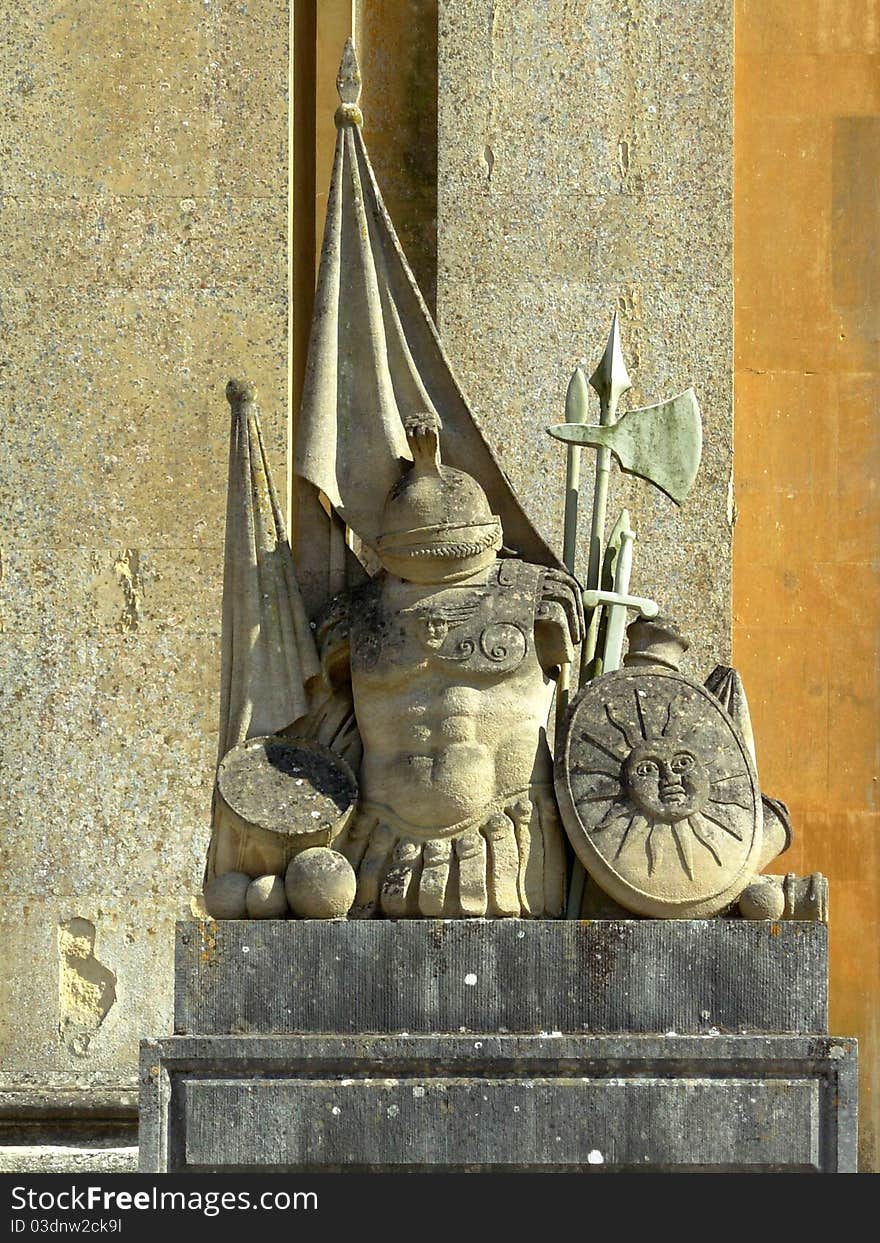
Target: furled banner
(374,358)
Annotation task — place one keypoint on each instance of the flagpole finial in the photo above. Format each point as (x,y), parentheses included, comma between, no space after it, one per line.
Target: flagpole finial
(611,379)
(241,393)
(348,84)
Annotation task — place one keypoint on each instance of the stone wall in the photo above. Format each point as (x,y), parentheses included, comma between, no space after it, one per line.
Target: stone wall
(807,549)
(585,165)
(143,204)
(584,153)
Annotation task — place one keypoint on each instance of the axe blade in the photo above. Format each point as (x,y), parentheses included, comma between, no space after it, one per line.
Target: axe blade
(661,443)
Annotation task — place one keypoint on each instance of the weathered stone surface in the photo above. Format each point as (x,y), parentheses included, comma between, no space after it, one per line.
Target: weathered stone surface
(287,786)
(551,1103)
(762,900)
(584,164)
(266,898)
(397,48)
(497,975)
(450,655)
(279,797)
(320,884)
(659,794)
(143,203)
(84,1120)
(67,1159)
(80,1020)
(225,896)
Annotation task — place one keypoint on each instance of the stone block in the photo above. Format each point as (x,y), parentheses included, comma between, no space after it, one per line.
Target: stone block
(154,100)
(498,1103)
(143,196)
(678,976)
(71,981)
(67,1159)
(585,165)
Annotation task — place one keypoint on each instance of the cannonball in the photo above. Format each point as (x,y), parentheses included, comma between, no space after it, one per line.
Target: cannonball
(763,899)
(226,896)
(320,884)
(266,899)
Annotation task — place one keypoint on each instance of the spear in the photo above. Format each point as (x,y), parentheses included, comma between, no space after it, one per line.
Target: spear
(575,412)
(660,443)
(610,380)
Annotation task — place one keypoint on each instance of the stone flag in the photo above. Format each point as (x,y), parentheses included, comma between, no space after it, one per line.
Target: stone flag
(374,358)
(269,662)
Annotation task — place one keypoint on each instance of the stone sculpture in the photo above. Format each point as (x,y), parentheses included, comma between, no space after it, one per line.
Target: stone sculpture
(657,784)
(434,678)
(384,774)
(385,691)
(451,653)
(660,792)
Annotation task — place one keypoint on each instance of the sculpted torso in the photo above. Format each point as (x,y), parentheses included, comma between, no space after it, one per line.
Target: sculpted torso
(451,652)
(452,685)
(450,698)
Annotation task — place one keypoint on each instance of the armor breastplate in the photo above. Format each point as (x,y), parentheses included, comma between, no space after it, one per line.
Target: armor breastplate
(485,629)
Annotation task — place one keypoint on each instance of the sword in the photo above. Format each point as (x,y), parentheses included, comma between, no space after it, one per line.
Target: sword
(618,601)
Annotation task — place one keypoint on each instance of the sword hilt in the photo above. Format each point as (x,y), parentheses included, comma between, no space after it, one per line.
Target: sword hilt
(642,605)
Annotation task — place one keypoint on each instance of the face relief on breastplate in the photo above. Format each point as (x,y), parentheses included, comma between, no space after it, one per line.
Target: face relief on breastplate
(485,631)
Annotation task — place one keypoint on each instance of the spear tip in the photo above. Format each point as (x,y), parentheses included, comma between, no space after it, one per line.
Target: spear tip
(611,379)
(622,528)
(348,79)
(577,397)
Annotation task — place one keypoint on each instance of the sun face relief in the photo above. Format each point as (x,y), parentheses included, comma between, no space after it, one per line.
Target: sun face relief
(658,793)
(665,781)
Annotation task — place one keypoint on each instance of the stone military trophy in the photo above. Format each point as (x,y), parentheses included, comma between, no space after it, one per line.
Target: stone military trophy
(427,683)
(403,874)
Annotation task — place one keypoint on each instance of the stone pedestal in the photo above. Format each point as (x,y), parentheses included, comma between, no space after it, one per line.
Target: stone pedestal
(505,1045)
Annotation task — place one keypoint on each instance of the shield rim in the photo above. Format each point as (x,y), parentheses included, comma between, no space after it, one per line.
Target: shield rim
(636,900)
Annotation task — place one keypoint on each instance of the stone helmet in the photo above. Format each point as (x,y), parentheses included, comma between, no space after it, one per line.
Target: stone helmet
(437,526)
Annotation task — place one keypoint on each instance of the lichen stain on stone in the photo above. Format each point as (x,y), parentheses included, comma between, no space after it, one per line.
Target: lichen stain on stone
(208,939)
(197,907)
(126,568)
(86,987)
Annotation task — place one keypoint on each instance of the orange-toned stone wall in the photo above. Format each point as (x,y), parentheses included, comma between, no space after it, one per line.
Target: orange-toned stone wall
(807,460)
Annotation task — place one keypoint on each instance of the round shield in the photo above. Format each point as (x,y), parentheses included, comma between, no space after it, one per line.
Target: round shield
(658,794)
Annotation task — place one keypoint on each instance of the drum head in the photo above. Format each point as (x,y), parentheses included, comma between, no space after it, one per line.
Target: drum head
(291,786)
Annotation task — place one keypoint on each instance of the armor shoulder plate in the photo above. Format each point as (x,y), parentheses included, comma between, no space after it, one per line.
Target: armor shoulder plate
(333,636)
(559,618)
